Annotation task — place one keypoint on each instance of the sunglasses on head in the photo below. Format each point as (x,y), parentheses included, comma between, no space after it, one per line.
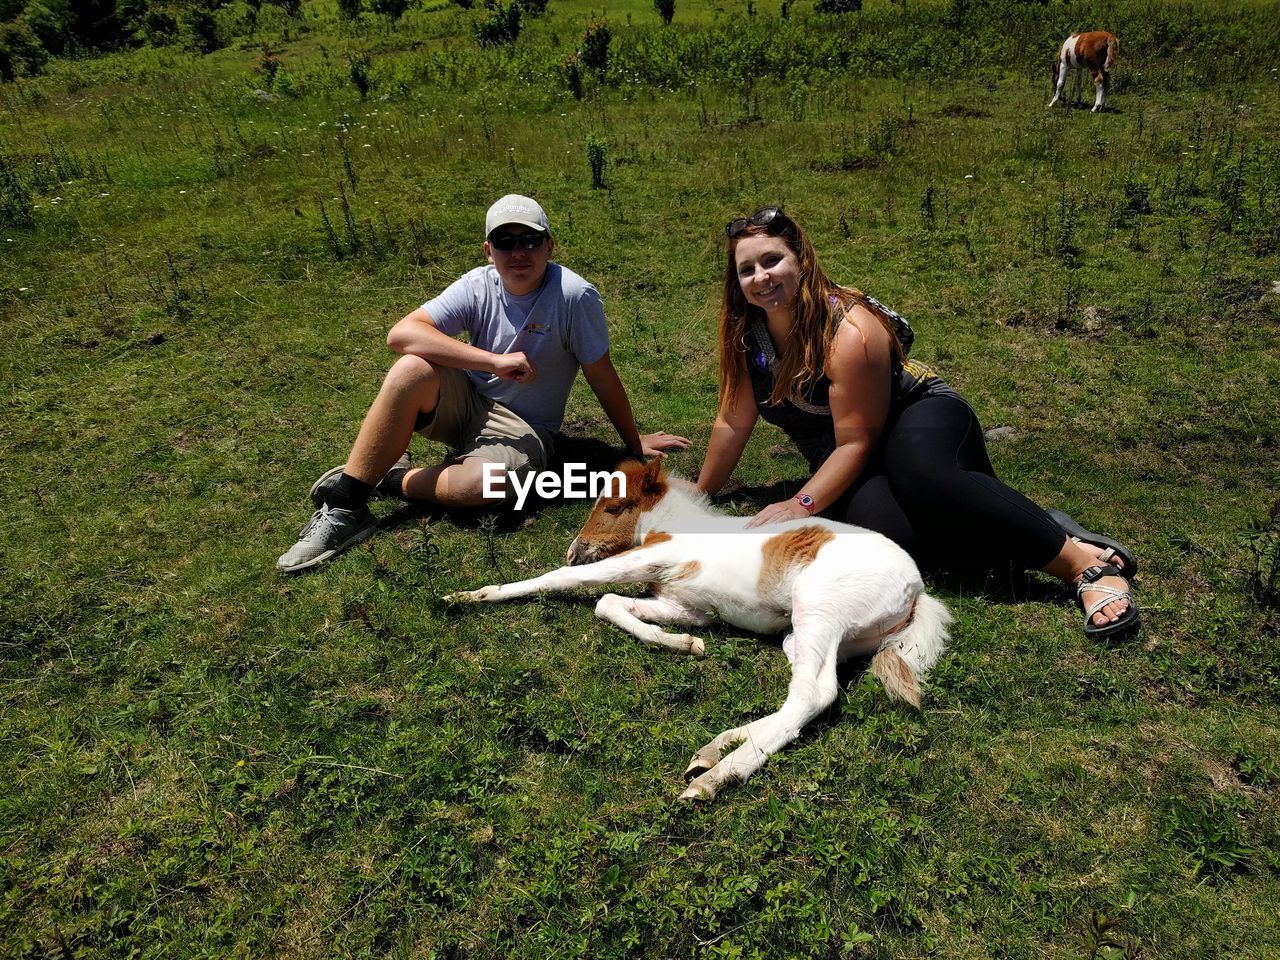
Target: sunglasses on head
(761,218)
(506,242)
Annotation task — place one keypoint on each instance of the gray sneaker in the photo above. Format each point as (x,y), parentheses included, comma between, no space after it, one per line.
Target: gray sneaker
(329,532)
(330,477)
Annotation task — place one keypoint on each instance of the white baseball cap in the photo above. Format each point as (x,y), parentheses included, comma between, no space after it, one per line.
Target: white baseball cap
(514,208)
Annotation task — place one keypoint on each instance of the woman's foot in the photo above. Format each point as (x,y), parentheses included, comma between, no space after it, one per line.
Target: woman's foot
(1109,550)
(1072,566)
(1113,611)
(1109,599)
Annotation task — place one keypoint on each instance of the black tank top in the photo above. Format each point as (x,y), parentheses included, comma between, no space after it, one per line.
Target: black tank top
(807,421)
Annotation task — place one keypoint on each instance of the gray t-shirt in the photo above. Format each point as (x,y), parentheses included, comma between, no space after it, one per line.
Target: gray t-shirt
(558,327)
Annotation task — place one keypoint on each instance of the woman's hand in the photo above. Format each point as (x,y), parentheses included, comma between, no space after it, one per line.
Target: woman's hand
(779,512)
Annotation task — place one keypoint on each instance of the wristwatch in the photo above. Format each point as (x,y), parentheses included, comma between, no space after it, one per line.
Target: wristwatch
(805,501)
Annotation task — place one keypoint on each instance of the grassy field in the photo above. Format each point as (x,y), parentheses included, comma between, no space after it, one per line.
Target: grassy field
(199,258)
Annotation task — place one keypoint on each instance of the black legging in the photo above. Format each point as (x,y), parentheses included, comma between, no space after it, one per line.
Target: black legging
(932,490)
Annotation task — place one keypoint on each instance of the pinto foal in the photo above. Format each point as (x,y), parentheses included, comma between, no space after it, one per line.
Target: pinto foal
(1096,52)
(840,591)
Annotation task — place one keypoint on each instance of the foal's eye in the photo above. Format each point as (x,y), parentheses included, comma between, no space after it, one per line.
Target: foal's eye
(616,508)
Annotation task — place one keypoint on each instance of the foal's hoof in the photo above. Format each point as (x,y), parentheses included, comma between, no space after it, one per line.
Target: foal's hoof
(702,761)
(700,791)
(696,647)
(471,596)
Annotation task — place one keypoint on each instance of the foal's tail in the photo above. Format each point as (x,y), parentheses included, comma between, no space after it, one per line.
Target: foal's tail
(1113,48)
(909,653)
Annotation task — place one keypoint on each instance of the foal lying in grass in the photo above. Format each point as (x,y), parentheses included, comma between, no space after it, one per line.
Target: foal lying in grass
(840,590)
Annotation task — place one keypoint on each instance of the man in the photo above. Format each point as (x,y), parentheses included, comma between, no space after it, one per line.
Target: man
(498,398)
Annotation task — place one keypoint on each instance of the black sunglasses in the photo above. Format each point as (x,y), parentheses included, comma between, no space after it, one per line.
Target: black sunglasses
(761,218)
(506,242)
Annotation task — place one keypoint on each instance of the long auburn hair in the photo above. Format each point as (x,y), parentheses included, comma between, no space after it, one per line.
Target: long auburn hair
(821,305)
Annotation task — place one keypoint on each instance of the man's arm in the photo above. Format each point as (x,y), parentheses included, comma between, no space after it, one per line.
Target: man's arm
(418,335)
(607,386)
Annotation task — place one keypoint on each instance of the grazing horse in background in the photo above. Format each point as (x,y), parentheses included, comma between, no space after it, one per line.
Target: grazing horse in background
(841,591)
(1095,52)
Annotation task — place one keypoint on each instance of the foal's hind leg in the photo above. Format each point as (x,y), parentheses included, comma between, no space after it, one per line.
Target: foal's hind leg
(630,614)
(812,690)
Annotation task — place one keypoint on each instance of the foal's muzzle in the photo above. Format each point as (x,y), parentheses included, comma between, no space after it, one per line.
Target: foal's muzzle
(579,553)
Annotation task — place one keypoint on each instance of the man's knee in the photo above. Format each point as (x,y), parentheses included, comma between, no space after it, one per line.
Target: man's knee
(411,373)
(477,482)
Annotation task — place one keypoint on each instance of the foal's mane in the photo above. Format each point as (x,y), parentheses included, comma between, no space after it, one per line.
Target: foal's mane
(681,503)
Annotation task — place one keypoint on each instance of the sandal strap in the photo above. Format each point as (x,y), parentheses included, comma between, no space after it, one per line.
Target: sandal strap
(1110,595)
(1105,556)
(1098,571)
(1089,583)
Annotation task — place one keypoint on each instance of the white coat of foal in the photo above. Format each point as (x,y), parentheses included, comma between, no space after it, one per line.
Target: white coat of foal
(840,591)
(1096,52)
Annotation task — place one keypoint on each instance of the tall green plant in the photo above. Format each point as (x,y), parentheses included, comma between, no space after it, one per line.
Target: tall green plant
(595,46)
(598,158)
(500,27)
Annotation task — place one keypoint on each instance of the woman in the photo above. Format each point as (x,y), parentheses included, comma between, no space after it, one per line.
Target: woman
(891,446)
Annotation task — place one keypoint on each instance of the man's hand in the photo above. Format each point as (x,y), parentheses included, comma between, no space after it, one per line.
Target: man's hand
(514,366)
(779,512)
(656,444)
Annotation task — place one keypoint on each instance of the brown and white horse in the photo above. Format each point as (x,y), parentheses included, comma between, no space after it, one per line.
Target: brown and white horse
(1095,52)
(839,591)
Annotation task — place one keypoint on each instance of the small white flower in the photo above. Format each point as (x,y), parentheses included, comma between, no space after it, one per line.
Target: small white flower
(23,289)
(968,176)
(182,191)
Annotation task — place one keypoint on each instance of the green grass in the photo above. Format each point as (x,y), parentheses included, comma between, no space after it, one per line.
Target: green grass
(203,758)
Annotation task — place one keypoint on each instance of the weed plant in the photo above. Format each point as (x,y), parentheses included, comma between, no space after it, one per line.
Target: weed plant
(199,258)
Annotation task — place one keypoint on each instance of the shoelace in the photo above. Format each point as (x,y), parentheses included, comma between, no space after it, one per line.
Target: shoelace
(321,514)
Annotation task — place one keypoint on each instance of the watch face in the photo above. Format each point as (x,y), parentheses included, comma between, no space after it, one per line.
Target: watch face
(805,500)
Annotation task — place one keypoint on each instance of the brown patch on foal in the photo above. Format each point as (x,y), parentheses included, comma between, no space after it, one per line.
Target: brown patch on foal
(795,548)
(685,571)
(681,571)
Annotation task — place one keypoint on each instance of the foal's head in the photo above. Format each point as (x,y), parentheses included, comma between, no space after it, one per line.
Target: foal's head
(611,528)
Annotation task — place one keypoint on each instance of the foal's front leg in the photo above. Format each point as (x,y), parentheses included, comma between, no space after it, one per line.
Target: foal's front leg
(637,616)
(631,567)
(1100,91)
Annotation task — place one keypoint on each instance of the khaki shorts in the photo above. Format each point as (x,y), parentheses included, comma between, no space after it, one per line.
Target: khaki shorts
(474,426)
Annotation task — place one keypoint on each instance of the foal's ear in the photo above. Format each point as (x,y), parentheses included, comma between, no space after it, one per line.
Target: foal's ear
(654,478)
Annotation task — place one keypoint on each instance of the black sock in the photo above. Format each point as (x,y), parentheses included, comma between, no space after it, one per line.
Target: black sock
(392,485)
(349,493)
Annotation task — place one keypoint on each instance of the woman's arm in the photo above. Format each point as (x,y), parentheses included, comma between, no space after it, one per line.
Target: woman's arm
(859,367)
(729,436)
